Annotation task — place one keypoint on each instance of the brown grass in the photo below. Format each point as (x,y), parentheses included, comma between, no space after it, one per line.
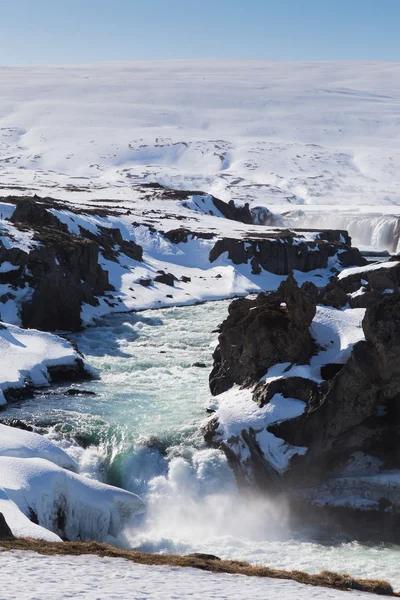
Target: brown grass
(324,579)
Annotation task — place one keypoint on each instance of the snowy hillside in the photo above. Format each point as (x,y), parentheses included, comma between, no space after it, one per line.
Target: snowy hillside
(301,136)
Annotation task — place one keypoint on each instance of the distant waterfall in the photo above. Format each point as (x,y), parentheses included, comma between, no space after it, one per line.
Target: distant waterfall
(378,232)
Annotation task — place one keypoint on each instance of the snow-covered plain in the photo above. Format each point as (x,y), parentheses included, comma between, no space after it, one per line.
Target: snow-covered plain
(94,578)
(303,136)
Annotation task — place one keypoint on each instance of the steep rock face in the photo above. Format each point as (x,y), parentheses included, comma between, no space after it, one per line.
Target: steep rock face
(347,439)
(339,419)
(233,212)
(284,252)
(61,268)
(259,333)
(64,273)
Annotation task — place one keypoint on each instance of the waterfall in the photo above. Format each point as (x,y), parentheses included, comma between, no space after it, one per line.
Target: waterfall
(377,232)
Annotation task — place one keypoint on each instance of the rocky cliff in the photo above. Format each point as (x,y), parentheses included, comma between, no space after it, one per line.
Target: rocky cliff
(334,441)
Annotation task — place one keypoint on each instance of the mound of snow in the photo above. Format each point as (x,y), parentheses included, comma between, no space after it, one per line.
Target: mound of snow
(26,355)
(68,504)
(25,444)
(36,483)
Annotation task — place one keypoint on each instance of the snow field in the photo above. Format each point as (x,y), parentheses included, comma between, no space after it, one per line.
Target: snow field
(94,578)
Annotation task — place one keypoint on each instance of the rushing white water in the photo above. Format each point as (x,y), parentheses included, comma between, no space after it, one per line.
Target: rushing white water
(370,232)
(142,431)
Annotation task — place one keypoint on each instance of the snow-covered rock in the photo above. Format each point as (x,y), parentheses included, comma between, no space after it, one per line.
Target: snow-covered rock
(32,358)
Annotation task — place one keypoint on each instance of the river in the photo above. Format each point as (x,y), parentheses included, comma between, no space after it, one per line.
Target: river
(142,431)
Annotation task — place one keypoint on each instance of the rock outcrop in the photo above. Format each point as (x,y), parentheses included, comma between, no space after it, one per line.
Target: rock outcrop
(283,252)
(363,288)
(262,332)
(62,269)
(350,428)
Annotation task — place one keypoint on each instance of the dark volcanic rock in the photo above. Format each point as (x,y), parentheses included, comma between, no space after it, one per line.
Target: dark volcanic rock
(260,333)
(284,252)
(145,282)
(64,273)
(5,532)
(166,279)
(353,415)
(233,212)
(342,419)
(371,284)
(178,236)
(63,269)
(289,387)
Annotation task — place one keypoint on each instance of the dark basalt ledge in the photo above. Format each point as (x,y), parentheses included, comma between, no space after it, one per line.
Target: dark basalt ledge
(63,270)
(355,411)
(282,252)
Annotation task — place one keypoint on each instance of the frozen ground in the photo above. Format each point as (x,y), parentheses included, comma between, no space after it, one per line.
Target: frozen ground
(94,578)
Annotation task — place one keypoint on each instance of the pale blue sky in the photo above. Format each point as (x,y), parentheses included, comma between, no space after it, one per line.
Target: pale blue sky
(70,31)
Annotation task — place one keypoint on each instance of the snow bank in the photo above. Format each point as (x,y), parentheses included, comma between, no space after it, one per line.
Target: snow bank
(36,481)
(26,355)
(62,577)
(17,443)
(70,505)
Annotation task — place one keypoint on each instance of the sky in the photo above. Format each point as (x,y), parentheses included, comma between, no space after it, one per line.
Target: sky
(78,31)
